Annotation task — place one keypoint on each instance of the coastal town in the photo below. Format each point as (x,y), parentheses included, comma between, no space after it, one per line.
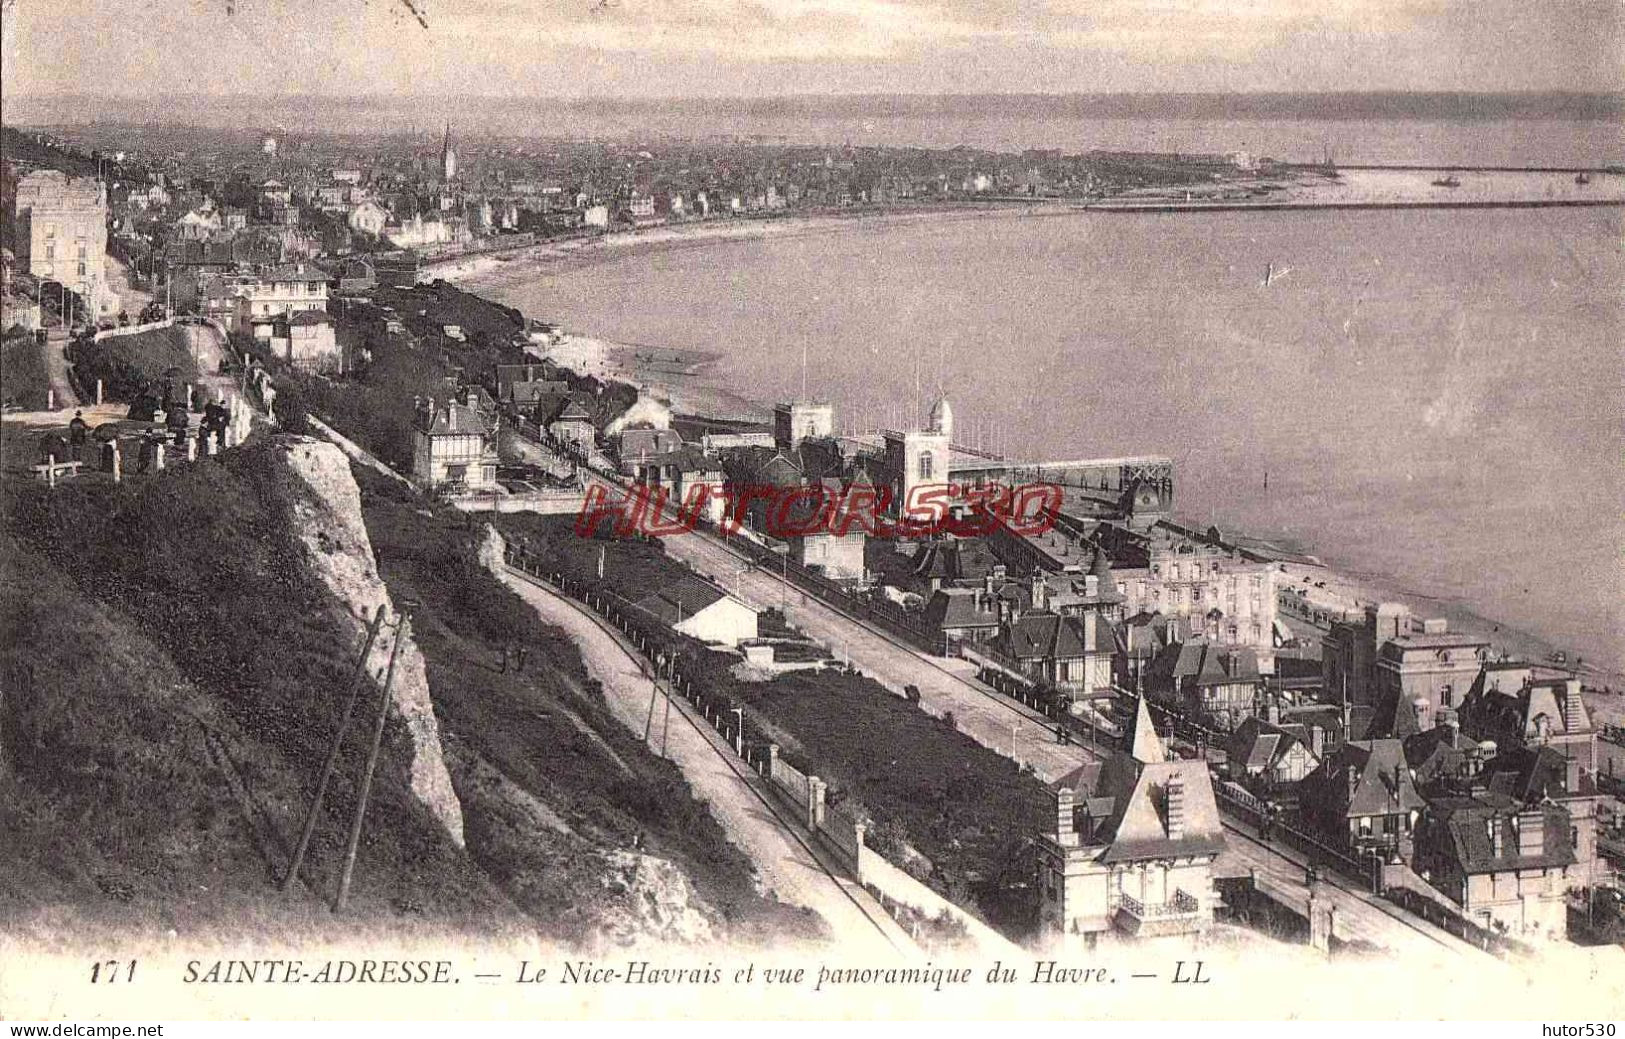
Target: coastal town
(1117,727)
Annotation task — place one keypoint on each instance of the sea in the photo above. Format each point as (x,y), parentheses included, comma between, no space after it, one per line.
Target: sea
(1431,399)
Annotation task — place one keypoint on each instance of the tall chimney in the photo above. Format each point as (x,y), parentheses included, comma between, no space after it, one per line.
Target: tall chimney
(1066,830)
(1531,833)
(1574,713)
(1176,807)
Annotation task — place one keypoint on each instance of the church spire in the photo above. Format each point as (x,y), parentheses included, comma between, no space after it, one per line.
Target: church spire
(448,155)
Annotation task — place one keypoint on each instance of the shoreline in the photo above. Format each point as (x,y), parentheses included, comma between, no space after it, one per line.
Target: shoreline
(474,272)
(687,392)
(1356,189)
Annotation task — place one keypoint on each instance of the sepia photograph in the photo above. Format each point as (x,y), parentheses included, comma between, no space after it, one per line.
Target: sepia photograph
(811,510)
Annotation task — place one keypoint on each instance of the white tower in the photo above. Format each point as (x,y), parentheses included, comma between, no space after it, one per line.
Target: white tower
(942,419)
(448,157)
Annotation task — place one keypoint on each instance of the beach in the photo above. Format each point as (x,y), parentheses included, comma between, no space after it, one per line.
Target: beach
(490,270)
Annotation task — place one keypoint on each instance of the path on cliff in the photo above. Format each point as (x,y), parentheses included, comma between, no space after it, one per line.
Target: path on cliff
(784,854)
(56,370)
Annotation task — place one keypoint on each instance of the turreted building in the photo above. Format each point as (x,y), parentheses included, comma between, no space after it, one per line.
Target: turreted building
(1134,843)
(915,459)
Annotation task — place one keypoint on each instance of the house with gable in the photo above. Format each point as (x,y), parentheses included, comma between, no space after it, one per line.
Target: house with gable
(1199,676)
(1267,757)
(699,609)
(1134,843)
(1362,798)
(1545,742)
(1073,652)
(453,449)
(573,425)
(1505,864)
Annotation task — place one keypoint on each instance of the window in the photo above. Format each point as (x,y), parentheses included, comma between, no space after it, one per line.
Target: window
(50,250)
(1447,696)
(926,465)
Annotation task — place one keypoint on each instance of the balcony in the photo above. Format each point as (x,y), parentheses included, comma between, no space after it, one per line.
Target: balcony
(1179,915)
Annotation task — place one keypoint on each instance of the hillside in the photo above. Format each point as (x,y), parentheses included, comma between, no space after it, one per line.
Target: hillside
(173,654)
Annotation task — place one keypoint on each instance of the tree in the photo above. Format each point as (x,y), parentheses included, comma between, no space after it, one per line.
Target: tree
(292,408)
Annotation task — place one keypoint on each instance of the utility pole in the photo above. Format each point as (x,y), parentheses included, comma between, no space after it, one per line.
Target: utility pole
(352,695)
(665,725)
(402,630)
(654,694)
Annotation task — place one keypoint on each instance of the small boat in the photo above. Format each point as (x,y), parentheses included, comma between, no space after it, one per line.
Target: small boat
(1447,182)
(1273,275)
(1582,178)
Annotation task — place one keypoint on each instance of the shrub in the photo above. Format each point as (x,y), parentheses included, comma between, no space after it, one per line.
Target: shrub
(131,365)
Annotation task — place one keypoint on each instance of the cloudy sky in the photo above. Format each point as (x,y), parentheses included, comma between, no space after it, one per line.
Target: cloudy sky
(755,47)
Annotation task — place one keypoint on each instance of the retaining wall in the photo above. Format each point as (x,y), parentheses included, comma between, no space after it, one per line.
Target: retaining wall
(562,503)
(130,330)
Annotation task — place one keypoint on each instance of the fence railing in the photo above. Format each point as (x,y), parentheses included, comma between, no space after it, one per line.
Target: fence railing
(1454,923)
(1182,904)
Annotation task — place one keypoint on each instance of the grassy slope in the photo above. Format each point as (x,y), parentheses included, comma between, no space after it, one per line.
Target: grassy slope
(23,374)
(138,610)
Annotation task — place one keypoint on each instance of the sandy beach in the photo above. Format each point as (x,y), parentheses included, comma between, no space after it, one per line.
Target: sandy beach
(486,270)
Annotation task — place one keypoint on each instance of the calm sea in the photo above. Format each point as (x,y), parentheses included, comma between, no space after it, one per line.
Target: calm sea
(1437,398)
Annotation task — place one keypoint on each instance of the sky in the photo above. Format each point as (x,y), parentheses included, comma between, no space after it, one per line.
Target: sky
(653,48)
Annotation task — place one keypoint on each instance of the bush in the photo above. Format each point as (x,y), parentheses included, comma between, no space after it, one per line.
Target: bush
(134,364)
(292,408)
